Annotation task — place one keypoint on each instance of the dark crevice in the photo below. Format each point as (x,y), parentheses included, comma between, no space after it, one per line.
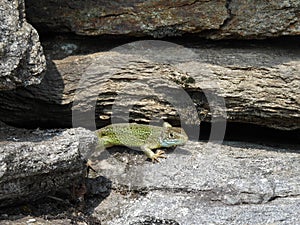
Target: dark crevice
(284,196)
(229,18)
(254,133)
(273,198)
(206,195)
(146,190)
(151,220)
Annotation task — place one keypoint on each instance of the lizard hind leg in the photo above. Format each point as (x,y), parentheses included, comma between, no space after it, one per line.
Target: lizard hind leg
(153,156)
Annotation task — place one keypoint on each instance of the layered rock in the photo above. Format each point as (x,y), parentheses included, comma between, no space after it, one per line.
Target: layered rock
(22,62)
(232,183)
(262,19)
(137,18)
(258,85)
(210,19)
(36,163)
(236,183)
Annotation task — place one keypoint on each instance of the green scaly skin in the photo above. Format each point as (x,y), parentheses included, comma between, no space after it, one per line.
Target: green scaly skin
(146,137)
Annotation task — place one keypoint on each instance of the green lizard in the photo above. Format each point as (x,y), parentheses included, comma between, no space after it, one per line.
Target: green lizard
(146,137)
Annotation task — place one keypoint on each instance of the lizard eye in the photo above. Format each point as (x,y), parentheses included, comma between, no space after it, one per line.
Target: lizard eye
(171,135)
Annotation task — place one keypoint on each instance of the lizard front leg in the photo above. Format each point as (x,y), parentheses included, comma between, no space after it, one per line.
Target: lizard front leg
(151,155)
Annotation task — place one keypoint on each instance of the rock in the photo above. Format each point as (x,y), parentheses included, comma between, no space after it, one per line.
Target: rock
(209,19)
(229,183)
(39,221)
(232,183)
(135,18)
(261,20)
(179,208)
(22,62)
(36,163)
(153,80)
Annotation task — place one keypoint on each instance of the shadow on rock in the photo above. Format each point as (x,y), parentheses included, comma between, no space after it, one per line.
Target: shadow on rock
(66,206)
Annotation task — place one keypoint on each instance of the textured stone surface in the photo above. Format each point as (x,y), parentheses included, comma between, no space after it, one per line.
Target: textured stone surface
(260,84)
(260,20)
(22,61)
(236,183)
(179,208)
(35,163)
(229,183)
(210,19)
(138,18)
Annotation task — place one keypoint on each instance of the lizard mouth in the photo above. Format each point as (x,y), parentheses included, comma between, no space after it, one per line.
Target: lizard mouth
(171,143)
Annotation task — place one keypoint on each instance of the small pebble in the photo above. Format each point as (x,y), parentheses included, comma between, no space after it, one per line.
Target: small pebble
(31,221)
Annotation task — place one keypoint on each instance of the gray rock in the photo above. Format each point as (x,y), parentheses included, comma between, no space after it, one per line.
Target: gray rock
(22,62)
(35,163)
(232,183)
(179,208)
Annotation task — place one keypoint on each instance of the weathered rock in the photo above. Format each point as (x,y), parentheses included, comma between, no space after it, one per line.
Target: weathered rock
(35,163)
(180,208)
(258,84)
(137,18)
(232,183)
(260,20)
(22,61)
(210,19)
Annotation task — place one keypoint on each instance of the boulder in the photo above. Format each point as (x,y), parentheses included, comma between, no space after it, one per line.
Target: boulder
(134,18)
(228,183)
(38,163)
(22,61)
(206,183)
(260,20)
(153,80)
(210,19)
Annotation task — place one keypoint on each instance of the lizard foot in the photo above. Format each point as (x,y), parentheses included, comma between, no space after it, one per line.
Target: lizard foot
(158,154)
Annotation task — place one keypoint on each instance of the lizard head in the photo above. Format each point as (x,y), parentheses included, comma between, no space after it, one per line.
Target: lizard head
(172,136)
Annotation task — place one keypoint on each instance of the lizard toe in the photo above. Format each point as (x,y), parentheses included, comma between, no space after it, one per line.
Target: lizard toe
(157,155)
